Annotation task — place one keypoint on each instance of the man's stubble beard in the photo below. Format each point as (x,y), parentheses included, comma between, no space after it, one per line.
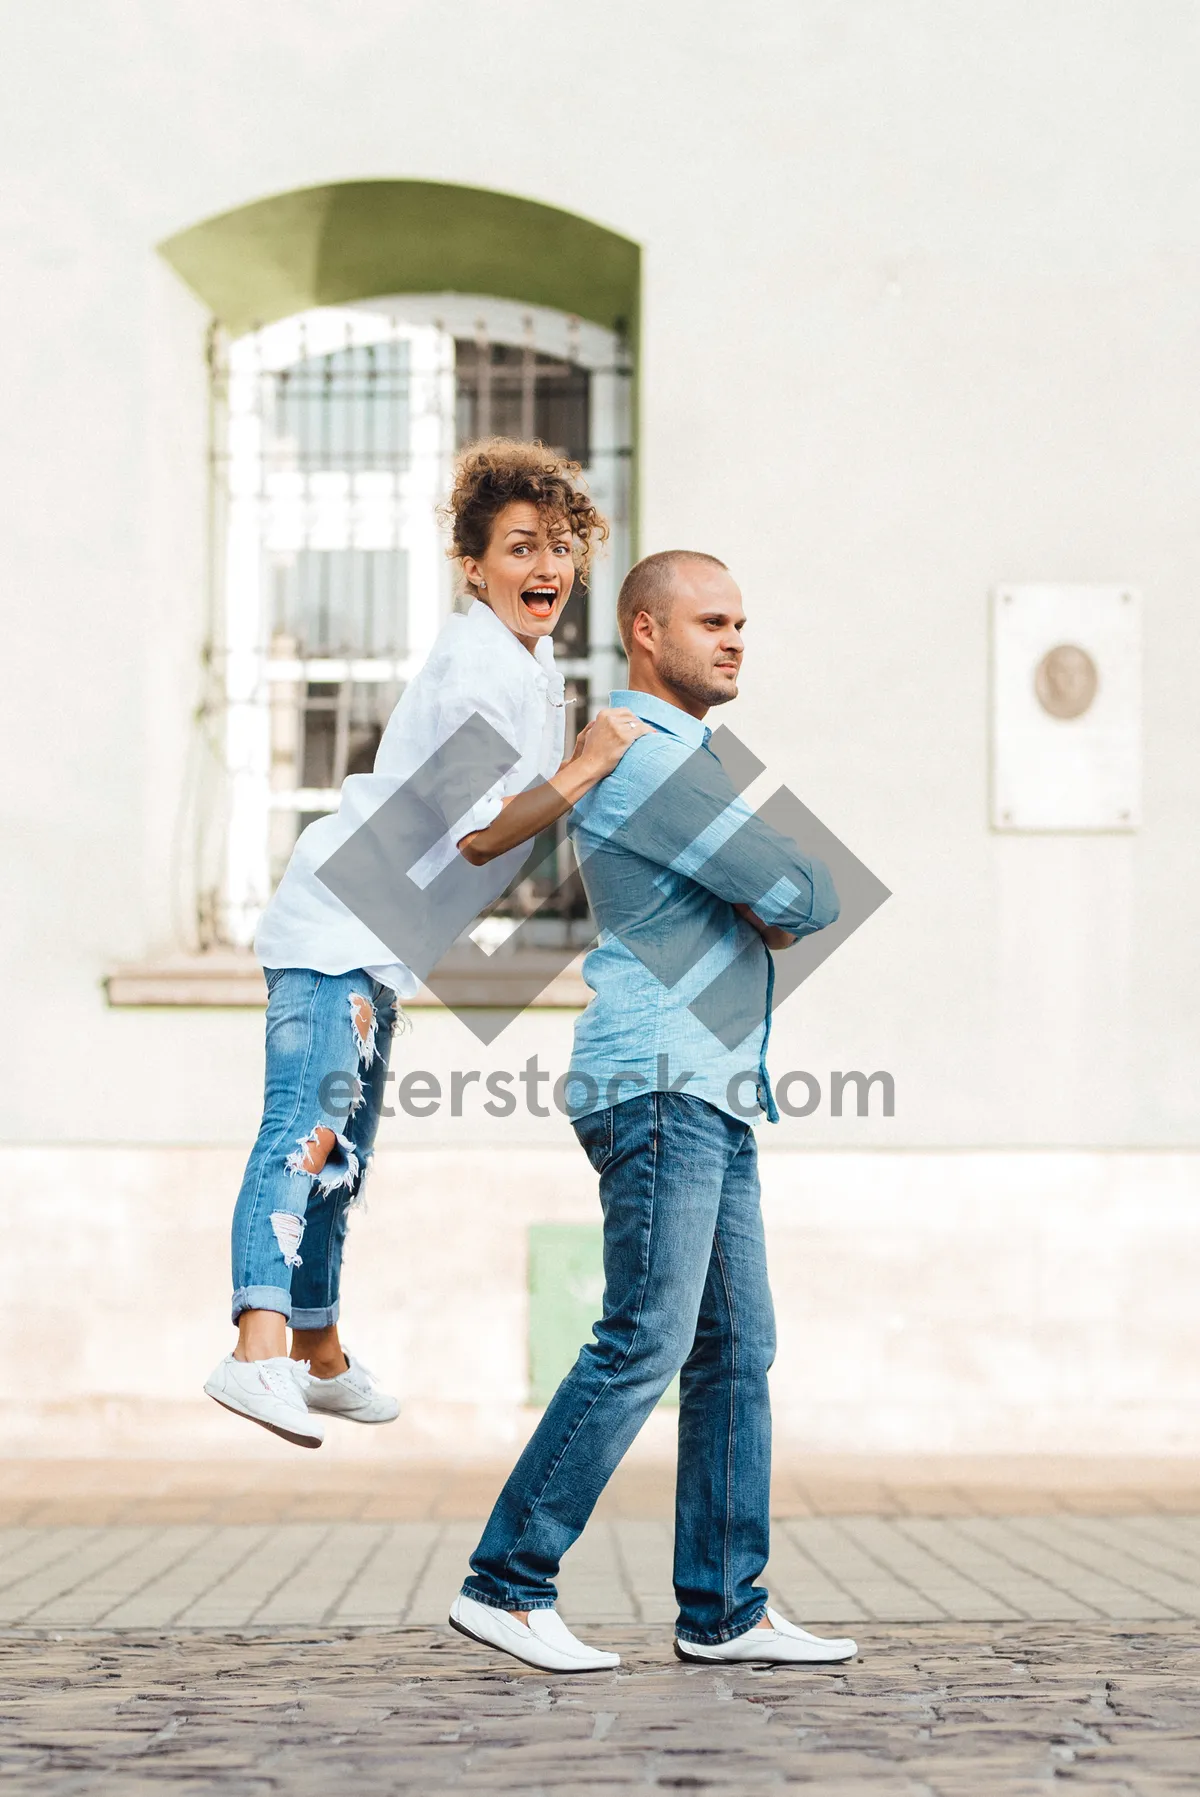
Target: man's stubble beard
(692,678)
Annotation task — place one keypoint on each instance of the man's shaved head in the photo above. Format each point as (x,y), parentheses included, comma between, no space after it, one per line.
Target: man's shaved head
(649,586)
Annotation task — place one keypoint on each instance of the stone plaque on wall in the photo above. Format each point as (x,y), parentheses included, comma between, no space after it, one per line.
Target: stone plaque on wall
(1066,708)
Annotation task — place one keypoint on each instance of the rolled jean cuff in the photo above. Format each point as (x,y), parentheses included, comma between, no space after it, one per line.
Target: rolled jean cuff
(511,1602)
(718,1637)
(262,1297)
(317,1319)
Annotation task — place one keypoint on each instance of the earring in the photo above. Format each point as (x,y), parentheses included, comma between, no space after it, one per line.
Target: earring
(483,586)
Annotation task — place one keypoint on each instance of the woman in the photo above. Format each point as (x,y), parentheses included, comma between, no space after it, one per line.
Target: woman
(522,527)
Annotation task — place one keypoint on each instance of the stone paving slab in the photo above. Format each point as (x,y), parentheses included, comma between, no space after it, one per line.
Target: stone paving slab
(928,1710)
(832,1571)
(353,1479)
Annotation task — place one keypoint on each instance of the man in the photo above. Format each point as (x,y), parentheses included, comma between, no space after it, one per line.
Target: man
(691,891)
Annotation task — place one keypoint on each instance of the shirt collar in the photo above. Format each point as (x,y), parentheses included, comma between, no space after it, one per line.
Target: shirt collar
(653,710)
(481,617)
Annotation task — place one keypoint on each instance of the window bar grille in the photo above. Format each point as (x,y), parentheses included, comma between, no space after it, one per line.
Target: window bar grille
(483,380)
(332,643)
(528,385)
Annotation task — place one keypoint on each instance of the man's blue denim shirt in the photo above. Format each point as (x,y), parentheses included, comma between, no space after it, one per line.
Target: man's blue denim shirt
(683,985)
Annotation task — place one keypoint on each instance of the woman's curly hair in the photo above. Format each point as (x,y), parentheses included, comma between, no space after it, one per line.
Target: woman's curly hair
(500,470)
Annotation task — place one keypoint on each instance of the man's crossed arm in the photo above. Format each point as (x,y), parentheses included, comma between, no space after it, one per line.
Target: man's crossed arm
(771,933)
(693,821)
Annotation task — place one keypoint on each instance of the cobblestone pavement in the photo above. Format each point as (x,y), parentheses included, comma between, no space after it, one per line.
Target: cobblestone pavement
(931,1710)
(832,1570)
(266,1626)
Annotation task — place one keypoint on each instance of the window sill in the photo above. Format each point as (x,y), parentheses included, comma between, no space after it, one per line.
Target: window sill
(233,980)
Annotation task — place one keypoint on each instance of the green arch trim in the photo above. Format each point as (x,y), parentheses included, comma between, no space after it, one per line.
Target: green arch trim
(322,246)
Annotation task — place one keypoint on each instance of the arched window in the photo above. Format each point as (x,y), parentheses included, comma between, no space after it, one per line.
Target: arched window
(364,331)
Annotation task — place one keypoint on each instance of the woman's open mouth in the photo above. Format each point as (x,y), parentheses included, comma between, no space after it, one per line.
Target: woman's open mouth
(540,600)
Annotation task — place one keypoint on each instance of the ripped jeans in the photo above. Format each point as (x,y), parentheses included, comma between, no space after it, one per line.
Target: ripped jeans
(328,1040)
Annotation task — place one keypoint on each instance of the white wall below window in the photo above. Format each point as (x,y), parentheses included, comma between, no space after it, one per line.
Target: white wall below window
(960,1303)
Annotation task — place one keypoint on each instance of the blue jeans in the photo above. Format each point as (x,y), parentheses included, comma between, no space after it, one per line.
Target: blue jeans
(685,1287)
(328,1040)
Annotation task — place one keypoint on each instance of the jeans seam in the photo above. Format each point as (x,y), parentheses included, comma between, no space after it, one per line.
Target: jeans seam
(599,1168)
(606,1145)
(353,1131)
(730,1454)
(283,1132)
(617,1371)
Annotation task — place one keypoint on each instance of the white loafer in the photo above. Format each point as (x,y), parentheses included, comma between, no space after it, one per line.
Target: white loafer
(544,1641)
(783,1644)
(352,1395)
(270,1392)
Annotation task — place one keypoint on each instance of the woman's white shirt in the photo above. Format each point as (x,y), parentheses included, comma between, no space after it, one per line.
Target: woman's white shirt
(475,666)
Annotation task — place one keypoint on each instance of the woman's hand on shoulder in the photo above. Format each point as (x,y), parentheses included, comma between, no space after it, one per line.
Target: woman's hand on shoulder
(601,744)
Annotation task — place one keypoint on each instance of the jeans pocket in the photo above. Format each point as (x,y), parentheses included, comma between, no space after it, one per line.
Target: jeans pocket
(595,1135)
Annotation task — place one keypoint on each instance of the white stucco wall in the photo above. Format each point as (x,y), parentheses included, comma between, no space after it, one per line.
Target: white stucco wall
(919,317)
(955,1302)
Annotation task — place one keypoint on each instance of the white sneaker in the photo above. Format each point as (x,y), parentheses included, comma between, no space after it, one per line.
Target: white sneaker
(781,1645)
(352,1395)
(270,1392)
(544,1641)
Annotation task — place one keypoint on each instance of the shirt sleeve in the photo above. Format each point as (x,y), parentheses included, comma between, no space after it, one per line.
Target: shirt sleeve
(452,742)
(676,807)
(478,737)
